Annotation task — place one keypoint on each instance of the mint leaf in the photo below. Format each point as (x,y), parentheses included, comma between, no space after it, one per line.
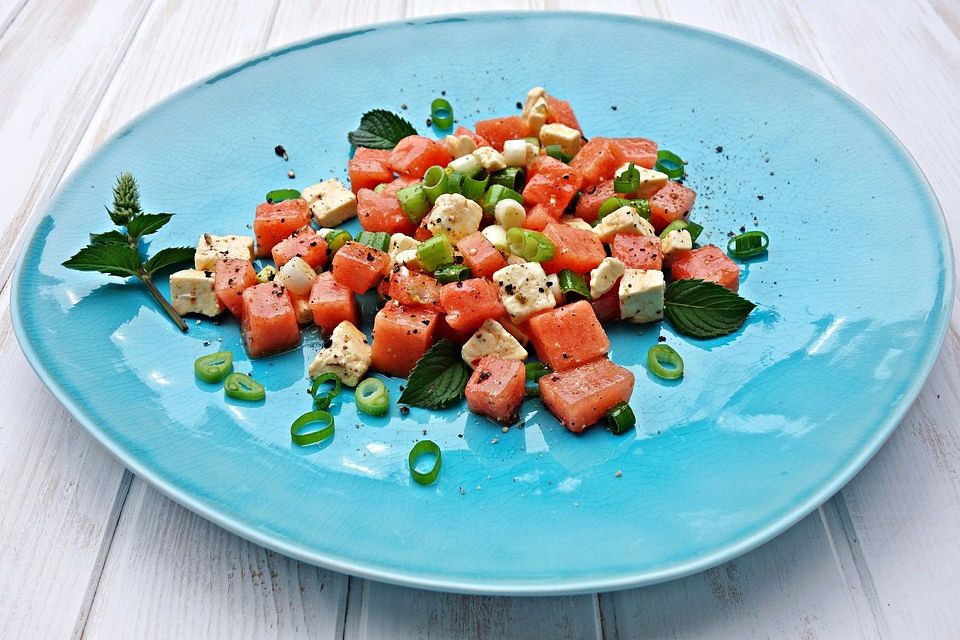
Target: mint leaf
(438,379)
(113,259)
(380,129)
(702,309)
(147,223)
(168,257)
(109,237)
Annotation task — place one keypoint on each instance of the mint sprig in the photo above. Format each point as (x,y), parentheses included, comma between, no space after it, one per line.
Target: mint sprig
(380,129)
(438,379)
(702,309)
(117,253)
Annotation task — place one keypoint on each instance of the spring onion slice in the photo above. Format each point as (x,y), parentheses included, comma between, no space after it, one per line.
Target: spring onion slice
(240,386)
(214,367)
(532,391)
(610,205)
(372,397)
(496,193)
(620,418)
(573,285)
(628,181)
(664,362)
(454,180)
(414,202)
(556,151)
(441,112)
(692,228)
(452,273)
(424,447)
(669,163)
(532,246)
(748,245)
(511,177)
(279,195)
(472,187)
(434,182)
(435,252)
(536,370)
(336,239)
(304,436)
(379,240)
(325,399)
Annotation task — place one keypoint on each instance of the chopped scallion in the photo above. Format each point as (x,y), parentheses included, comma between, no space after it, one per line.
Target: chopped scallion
(422,448)
(532,246)
(336,239)
(441,112)
(556,151)
(573,285)
(240,386)
(214,367)
(372,397)
(267,274)
(664,362)
(496,193)
(669,163)
(323,400)
(620,418)
(692,228)
(511,177)
(414,202)
(628,181)
(748,245)
(301,433)
(434,182)
(452,273)
(536,370)
(379,240)
(435,252)
(472,188)
(279,195)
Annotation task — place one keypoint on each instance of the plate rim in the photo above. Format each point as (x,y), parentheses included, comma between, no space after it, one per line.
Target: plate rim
(546,586)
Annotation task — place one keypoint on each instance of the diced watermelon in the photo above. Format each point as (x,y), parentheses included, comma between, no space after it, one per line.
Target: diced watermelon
(400,338)
(413,289)
(538,217)
(445,331)
(269,323)
(568,337)
(368,168)
(607,306)
(588,206)
(499,130)
(576,249)
(706,263)
(332,303)
(638,252)
(597,161)
(517,331)
(479,140)
(553,185)
(582,396)
(422,233)
(560,111)
(275,221)
(359,267)
(382,212)
(480,255)
(303,243)
(497,388)
(470,303)
(672,202)
(637,150)
(230,279)
(415,154)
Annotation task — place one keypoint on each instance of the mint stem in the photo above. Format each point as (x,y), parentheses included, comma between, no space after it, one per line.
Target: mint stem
(152,288)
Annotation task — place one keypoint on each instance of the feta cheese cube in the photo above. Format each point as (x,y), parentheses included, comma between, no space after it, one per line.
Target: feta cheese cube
(676,240)
(191,291)
(491,339)
(323,232)
(297,276)
(211,248)
(408,258)
(330,202)
(509,214)
(650,181)
(301,308)
(518,153)
(459,146)
(533,96)
(467,165)
(490,159)
(401,242)
(496,234)
(556,133)
(605,276)
(348,355)
(576,223)
(537,116)
(641,295)
(454,216)
(524,290)
(624,220)
(553,283)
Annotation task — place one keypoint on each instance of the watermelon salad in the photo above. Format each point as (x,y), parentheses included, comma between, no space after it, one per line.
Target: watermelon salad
(485,248)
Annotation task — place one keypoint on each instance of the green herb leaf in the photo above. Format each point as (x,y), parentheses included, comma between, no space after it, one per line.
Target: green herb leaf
(113,259)
(109,237)
(380,129)
(702,309)
(438,379)
(168,257)
(126,200)
(147,223)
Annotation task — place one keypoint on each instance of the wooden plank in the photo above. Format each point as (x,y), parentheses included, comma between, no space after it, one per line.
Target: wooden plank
(9,10)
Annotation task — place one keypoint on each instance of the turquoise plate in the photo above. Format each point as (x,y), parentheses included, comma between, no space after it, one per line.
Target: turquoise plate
(766,424)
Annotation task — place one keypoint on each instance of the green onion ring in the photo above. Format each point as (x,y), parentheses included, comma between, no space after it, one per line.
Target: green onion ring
(669,163)
(434,182)
(661,354)
(692,228)
(372,397)
(441,112)
(240,386)
(279,195)
(450,273)
(748,245)
(573,285)
(536,370)
(620,418)
(532,246)
(421,448)
(472,188)
(336,239)
(305,438)
(628,181)
(214,367)
(324,401)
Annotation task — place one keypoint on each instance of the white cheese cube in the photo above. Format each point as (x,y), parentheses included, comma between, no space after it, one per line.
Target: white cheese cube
(401,242)
(524,290)
(556,133)
(348,355)
(467,165)
(576,223)
(533,96)
(519,153)
(496,234)
(553,283)
(676,240)
(454,216)
(330,202)
(641,295)
(408,258)
(650,181)
(491,339)
(624,220)
(323,232)
(191,291)
(605,276)
(459,146)
(537,116)
(297,276)
(509,214)
(211,248)
(301,308)
(490,159)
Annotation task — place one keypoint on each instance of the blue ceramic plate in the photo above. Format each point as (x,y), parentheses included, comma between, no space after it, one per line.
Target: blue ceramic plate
(765,425)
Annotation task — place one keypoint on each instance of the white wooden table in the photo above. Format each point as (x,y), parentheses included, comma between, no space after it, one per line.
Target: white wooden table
(87,550)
